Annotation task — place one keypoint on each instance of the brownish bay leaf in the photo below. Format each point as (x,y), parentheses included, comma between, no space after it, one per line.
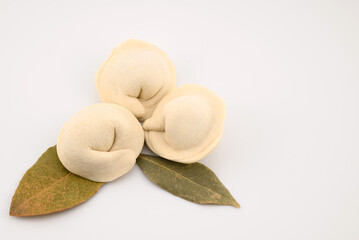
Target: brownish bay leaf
(194,182)
(49,187)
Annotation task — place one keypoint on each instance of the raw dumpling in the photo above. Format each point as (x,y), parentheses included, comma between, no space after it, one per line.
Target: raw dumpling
(186,125)
(101,142)
(137,75)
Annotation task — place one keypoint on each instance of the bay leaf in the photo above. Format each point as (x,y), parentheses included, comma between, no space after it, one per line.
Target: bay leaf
(49,187)
(194,182)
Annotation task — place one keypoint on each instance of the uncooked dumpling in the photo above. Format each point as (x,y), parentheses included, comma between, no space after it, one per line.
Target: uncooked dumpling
(101,142)
(137,75)
(186,125)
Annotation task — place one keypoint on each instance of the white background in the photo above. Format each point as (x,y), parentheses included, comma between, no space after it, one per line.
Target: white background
(288,71)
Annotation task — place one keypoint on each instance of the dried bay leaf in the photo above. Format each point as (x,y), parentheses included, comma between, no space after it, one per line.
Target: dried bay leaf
(194,182)
(49,187)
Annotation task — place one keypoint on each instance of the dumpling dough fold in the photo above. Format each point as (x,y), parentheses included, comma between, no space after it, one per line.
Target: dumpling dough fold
(101,142)
(137,75)
(186,125)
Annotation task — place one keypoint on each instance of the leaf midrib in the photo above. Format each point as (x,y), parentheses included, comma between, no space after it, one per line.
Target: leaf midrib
(186,178)
(43,190)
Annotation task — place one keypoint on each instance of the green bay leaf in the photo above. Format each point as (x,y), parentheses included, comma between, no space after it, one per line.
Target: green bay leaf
(49,187)
(194,182)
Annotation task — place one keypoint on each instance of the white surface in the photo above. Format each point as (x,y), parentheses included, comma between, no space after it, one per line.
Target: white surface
(288,71)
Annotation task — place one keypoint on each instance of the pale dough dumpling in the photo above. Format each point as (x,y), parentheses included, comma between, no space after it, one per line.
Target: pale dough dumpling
(137,75)
(186,125)
(101,142)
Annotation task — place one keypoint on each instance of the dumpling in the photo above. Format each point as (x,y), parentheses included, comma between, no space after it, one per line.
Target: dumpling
(101,142)
(137,75)
(186,125)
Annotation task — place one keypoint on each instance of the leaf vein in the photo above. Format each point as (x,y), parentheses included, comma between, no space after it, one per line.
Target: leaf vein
(215,193)
(43,190)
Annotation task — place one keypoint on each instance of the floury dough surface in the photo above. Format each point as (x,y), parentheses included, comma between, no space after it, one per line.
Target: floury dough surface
(186,125)
(101,142)
(137,75)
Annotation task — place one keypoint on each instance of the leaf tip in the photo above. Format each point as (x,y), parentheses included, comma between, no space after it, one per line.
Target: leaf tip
(12,213)
(235,204)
